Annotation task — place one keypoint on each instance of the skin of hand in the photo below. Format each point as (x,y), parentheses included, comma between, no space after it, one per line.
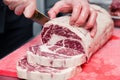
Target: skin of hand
(27,7)
(82,13)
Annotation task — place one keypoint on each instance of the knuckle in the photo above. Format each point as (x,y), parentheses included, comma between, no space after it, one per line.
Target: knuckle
(49,12)
(78,6)
(80,22)
(6,2)
(11,8)
(73,19)
(85,4)
(90,26)
(87,9)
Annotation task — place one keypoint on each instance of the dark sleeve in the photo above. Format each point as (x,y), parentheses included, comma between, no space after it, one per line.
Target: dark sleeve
(2,16)
(1,2)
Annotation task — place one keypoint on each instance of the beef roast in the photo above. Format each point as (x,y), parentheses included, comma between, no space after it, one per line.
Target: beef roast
(59,32)
(64,48)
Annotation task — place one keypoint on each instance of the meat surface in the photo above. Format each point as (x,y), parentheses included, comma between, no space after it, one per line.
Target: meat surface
(37,72)
(55,56)
(64,48)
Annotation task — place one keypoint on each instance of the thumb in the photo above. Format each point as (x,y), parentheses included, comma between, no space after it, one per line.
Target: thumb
(29,10)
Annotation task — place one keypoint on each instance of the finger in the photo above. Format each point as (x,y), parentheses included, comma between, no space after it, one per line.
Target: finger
(55,9)
(60,6)
(14,4)
(92,19)
(29,10)
(11,7)
(83,16)
(51,13)
(63,9)
(75,14)
(7,2)
(94,30)
(66,9)
(19,9)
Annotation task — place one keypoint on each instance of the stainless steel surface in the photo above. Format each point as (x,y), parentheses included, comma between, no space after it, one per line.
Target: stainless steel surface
(39,17)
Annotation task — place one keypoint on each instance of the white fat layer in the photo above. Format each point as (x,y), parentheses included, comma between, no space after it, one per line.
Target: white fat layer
(44,48)
(55,38)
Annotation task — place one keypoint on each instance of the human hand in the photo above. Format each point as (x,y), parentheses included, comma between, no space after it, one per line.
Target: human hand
(27,7)
(82,13)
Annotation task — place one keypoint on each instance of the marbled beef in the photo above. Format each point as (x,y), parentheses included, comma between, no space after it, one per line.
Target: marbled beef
(37,72)
(55,56)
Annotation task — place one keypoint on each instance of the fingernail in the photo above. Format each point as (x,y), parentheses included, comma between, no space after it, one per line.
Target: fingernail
(92,34)
(86,27)
(77,24)
(72,22)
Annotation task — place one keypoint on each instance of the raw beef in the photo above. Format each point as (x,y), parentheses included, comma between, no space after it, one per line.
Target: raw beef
(64,48)
(37,72)
(55,56)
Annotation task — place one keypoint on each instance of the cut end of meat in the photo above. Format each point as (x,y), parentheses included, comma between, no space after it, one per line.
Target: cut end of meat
(35,72)
(61,36)
(55,56)
(58,30)
(46,49)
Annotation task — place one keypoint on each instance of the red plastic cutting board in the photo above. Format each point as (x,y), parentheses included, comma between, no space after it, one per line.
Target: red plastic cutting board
(104,64)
